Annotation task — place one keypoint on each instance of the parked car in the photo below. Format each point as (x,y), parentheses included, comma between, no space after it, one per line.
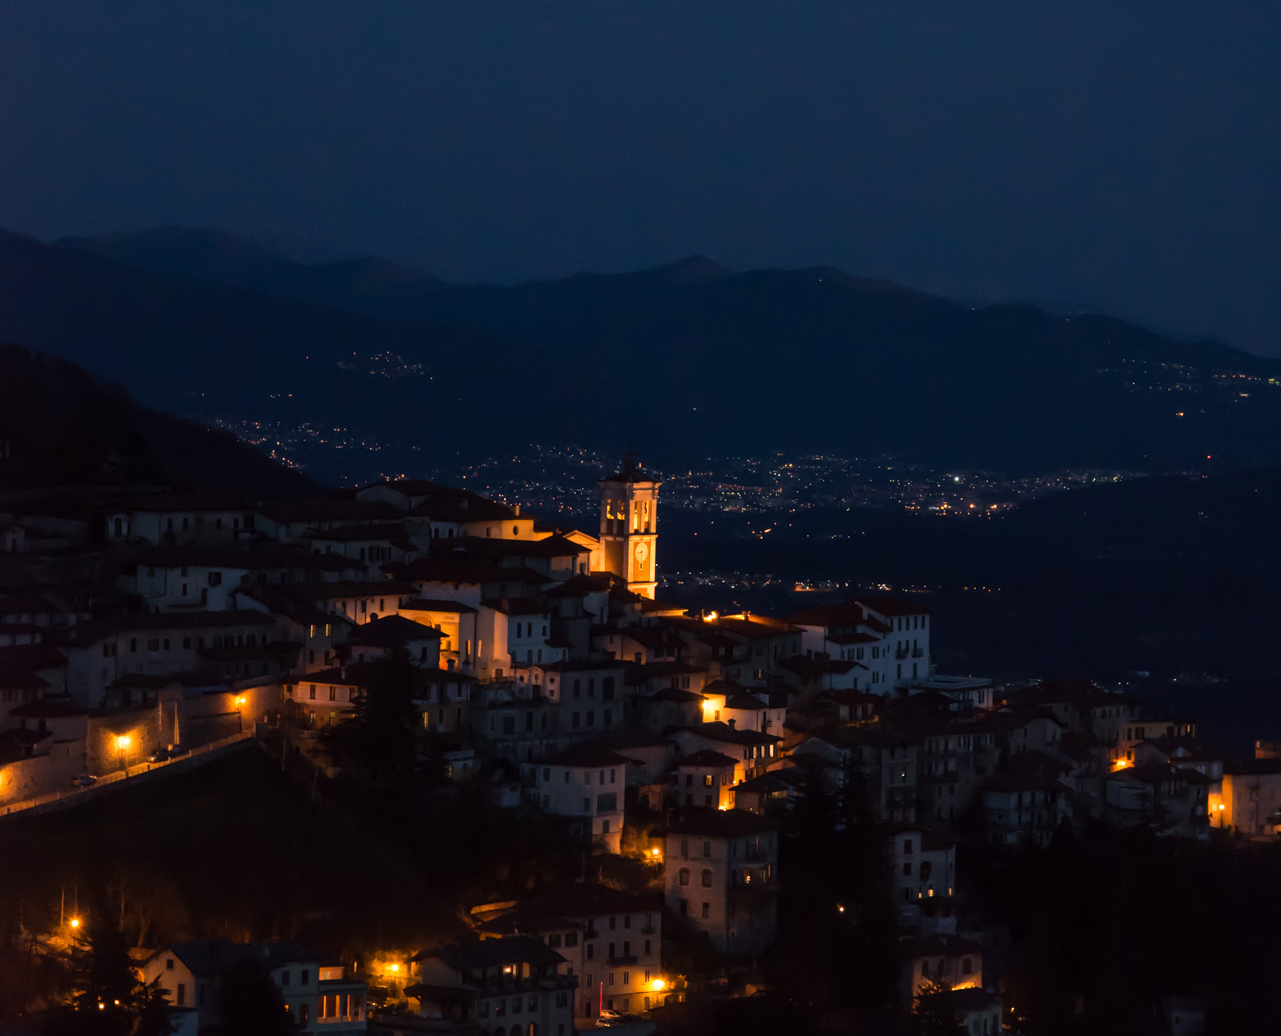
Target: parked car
(160,755)
(607,1018)
(84,780)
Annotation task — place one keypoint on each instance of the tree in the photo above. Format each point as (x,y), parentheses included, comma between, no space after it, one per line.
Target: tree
(934,1013)
(108,997)
(379,730)
(252,1004)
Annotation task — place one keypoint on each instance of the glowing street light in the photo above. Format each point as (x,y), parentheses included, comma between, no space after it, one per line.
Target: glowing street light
(75,922)
(123,741)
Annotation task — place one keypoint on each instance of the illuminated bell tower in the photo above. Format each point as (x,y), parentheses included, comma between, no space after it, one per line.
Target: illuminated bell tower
(629,526)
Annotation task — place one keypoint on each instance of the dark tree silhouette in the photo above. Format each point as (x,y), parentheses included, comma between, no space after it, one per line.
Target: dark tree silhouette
(251,1004)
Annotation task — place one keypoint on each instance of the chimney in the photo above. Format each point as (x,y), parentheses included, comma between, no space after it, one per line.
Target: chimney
(731,723)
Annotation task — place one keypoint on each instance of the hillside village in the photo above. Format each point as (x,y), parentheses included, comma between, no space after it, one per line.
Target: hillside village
(675,749)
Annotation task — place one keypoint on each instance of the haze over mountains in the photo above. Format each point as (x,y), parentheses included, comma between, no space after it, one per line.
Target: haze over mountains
(682,360)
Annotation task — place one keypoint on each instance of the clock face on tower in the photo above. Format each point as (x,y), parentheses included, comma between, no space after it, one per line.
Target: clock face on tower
(641,552)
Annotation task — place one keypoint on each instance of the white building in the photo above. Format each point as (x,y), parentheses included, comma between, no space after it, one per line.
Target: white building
(586,783)
(720,870)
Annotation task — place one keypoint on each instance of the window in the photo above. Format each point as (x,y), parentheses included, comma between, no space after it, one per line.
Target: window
(907,845)
(707,910)
(182,993)
(707,879)
(305,976)
(333,694)
(707,848)
(684,876)
(966,967)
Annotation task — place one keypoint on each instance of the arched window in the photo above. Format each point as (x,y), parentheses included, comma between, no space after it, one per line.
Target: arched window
(684,876)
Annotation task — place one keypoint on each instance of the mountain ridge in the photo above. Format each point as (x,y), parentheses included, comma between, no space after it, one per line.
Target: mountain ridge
(691,354)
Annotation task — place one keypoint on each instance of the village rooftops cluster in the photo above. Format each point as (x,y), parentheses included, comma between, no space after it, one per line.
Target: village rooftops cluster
(543,666)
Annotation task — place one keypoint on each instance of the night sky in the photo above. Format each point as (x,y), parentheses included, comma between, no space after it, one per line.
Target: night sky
(1119,155)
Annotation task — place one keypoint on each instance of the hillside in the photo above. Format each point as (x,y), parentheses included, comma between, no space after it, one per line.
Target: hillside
(62,427)
(799,359)
(203,350)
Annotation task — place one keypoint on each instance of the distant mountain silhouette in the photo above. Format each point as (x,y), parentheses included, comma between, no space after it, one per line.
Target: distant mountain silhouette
(61,427)
(692,358)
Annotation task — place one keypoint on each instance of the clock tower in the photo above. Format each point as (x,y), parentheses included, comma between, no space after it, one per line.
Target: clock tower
(629,526)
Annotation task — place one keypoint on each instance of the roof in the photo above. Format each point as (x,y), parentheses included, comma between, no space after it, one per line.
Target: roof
(330,510)
(940,945)
(488,953)
(517,605)
(451,504)
(891,604)
(1156,772)
(484,546)
(706,757)
(352,588)
(589,899)
(112,625)
(586,755)
(190,502)
(724,732)
(230,556)
(811,668)
(723,823)
(376,531)
(216,956)
(435,604)
(48,708)
(584,583)
(450,569)
(675,694)
(391,631)
(527,921)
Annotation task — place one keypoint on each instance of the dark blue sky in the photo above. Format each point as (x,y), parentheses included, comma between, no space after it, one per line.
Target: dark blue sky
(1112,154)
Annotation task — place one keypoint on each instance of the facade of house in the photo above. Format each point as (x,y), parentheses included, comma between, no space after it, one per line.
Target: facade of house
(516,984)
(720,870)
(585,783)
